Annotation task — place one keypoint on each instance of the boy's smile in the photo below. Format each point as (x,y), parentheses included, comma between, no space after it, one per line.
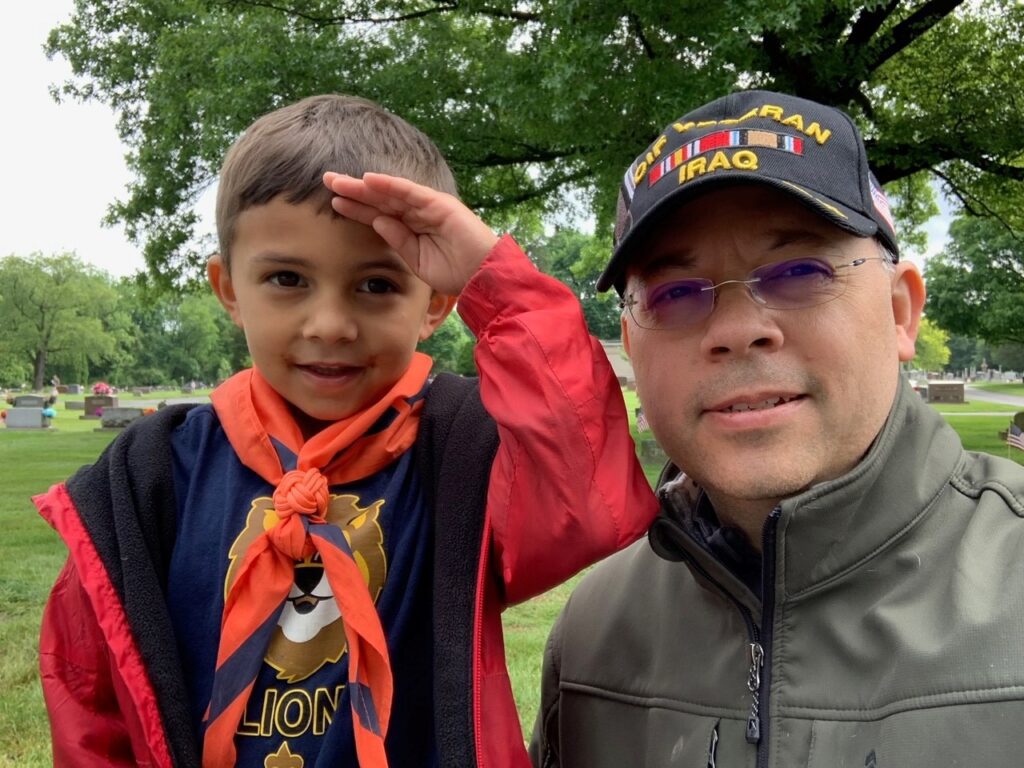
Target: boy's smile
(331,314)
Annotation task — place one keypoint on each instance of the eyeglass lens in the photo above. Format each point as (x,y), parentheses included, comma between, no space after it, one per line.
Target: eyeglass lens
(792,284)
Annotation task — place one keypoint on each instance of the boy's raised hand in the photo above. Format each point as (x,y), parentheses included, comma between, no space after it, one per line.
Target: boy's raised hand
(440,238)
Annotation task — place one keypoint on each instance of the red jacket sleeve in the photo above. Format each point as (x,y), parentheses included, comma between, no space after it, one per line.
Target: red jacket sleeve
(102,708)
(85,716)
(566,488)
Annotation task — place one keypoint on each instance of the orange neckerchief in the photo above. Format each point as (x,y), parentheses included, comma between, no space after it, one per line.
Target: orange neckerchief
(252,413)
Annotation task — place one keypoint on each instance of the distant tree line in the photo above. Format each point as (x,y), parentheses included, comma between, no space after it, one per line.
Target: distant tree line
(61,317)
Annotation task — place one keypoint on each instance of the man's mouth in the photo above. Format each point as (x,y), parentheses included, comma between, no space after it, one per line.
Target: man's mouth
(760,405)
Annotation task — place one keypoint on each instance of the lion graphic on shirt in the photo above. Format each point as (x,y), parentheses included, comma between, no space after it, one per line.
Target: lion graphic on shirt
(309,632)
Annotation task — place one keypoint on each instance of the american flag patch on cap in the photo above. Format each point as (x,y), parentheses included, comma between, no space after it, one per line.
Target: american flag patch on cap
(881,203)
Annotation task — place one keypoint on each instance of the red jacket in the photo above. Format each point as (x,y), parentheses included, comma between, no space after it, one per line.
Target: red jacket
(563,490)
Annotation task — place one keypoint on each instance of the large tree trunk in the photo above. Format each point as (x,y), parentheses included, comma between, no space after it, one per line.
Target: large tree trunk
(39,369)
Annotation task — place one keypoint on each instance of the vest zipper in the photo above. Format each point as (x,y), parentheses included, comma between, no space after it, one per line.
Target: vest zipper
(767,611)
(756,649)
(757,683)
(754,686)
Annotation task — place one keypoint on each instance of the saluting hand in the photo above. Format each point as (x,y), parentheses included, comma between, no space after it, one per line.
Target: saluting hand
(440,239)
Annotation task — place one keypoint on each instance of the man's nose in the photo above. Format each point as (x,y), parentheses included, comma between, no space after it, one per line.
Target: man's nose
(739,325)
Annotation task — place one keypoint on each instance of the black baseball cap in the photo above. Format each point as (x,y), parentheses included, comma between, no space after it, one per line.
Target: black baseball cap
(808,150)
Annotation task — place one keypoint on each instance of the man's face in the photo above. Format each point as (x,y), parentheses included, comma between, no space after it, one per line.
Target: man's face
(757,404)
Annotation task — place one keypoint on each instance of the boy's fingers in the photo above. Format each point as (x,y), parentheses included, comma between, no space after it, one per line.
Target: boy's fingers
(393,232)
(410,193)
(417,205)
(355,210)
(351,188)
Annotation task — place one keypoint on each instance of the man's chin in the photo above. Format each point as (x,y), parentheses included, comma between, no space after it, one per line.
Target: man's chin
(759,491)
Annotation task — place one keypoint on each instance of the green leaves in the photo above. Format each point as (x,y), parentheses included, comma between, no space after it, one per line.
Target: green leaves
(976,287)
(537,103)
(932,347)
(50,312)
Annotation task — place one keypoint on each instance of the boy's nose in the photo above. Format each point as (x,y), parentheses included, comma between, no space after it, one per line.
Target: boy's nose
(331,320)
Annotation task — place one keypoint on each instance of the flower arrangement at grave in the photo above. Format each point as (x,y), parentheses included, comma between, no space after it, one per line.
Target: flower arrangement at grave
(102,388)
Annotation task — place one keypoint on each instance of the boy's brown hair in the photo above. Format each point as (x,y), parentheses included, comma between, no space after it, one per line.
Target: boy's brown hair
(287,151)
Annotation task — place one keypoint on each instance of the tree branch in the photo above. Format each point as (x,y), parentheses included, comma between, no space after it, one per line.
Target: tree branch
(969,201)
(911,28)
(326,21)
(634,22)
(444,6)
(997,169)
(533,192)
(529,154)
(868,24)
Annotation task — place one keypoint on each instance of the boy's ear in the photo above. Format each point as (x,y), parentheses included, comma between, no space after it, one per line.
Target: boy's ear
(441,304)
(908,295)
(220,280)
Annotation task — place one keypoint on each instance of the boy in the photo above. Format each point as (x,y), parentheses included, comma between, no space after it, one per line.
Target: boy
(311,569)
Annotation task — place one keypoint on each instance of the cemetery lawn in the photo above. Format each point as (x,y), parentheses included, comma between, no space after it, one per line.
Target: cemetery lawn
(975,406)
(1001,387)
(31,556)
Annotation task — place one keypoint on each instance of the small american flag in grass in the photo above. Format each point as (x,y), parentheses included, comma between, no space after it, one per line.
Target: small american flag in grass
(1015,436)
(643,426)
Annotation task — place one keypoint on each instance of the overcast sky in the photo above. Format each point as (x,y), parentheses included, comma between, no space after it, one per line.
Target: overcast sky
(64,164)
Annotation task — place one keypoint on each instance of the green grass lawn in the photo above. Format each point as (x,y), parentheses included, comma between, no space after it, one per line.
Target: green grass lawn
(31,555)
(975,406)
(1001,387)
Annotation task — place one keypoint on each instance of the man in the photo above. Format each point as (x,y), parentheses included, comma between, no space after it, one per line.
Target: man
(832,580)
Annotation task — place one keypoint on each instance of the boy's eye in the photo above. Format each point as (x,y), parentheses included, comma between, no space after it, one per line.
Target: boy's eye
(377,285)
(286,279)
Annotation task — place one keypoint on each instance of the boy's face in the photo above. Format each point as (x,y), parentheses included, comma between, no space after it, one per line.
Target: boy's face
(331,314)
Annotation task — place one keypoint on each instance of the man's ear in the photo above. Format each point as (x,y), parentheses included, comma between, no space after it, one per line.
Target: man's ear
(908,295)
(624,333)
(441,304)
(220,280)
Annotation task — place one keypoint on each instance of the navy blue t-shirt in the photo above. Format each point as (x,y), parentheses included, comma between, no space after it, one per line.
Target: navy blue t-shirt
(299,707)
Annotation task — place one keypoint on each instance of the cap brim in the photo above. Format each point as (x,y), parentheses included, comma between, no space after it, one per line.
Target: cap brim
(836,213)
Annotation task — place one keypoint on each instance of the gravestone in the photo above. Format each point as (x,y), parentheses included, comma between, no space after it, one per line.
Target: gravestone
(649,451)
(74,389)
(945,392)
(29,401)
(94,404)
(26,418)
(119,418)
(62,389)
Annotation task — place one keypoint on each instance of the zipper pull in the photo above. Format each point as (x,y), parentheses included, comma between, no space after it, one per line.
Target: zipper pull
(754,686)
